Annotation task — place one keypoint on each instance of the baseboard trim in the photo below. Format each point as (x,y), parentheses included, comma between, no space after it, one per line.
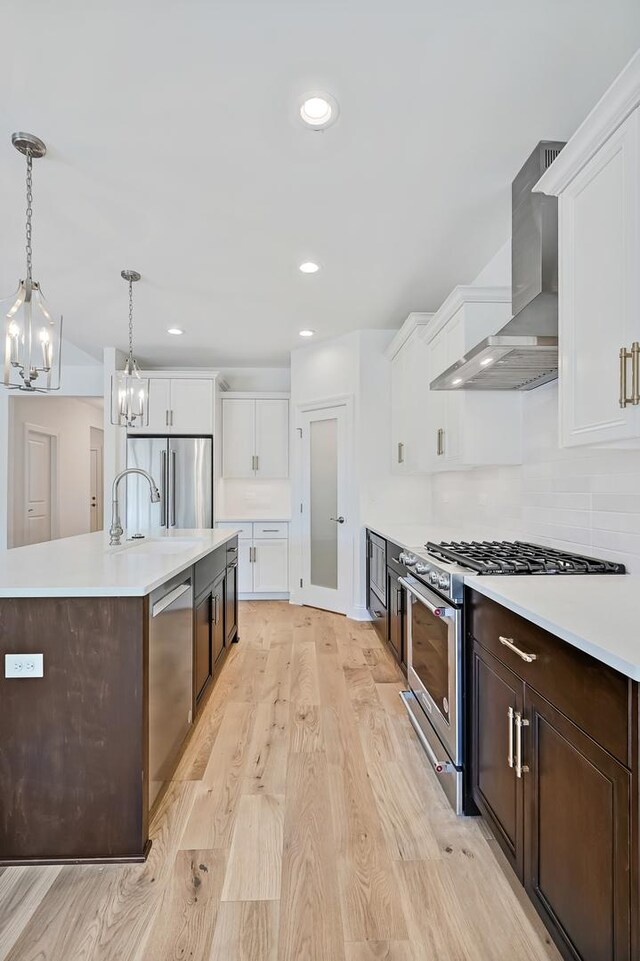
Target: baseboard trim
(275,596)
(359,613)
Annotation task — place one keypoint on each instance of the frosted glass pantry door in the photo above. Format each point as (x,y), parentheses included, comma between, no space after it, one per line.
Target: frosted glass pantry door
(326,537)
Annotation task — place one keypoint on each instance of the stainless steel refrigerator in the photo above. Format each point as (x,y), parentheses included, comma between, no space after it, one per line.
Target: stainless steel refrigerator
(182,467)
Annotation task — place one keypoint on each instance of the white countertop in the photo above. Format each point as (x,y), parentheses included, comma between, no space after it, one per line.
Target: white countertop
(598,613)
(85,566)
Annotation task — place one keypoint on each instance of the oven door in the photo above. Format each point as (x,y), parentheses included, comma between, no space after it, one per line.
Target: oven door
(434,662)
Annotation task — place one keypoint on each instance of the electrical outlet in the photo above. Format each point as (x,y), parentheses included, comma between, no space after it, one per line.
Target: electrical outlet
(24,665)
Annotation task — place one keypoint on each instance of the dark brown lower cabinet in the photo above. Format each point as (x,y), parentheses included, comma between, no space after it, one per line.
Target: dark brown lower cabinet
(563,814)
(395,601)
(231,602)
(497,695)
(218,636)
(203,670)
(578,847)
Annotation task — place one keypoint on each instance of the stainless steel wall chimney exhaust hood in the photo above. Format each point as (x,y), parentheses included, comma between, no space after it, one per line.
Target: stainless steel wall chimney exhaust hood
(524,354)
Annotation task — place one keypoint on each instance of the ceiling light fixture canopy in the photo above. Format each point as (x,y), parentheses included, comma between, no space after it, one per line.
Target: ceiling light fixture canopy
(309,267)
(33,333)
(129,390)
(176,331)
(318,110)
(306,333)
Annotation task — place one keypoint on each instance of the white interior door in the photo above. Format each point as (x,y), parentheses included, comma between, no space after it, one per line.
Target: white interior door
(327,540)
(96,505)
(38,486)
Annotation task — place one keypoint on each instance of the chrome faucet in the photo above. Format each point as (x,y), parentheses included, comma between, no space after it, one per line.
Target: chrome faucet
(116,531)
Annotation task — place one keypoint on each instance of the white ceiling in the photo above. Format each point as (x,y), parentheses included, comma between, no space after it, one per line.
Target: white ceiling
(174,149)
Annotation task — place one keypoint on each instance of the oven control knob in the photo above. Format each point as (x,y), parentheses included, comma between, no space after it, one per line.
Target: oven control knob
(421,568)
(443,581)
(433,578)
(408,559)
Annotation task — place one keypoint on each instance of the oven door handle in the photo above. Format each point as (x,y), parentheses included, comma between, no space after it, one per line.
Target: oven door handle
(436,611)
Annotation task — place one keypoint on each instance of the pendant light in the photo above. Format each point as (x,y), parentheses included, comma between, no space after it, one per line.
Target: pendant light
(33,333)
(129,390)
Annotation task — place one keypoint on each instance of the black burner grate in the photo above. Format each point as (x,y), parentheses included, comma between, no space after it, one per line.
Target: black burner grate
(519,557)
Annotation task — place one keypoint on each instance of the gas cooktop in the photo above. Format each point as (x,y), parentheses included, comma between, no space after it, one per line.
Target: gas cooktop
(518,557)
(443,566)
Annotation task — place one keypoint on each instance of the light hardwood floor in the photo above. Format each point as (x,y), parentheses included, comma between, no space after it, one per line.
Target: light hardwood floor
(303,824)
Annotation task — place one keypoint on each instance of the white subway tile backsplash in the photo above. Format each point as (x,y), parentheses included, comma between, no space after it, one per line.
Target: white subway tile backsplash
(579,499)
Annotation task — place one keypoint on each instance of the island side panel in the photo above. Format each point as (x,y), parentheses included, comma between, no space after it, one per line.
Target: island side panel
(73,744)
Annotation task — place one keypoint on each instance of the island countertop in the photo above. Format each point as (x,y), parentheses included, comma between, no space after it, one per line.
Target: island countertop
(85,565)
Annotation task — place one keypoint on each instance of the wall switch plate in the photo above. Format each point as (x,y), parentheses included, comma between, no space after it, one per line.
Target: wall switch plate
(24,665)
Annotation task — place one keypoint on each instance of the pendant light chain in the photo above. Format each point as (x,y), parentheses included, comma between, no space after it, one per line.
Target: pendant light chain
(130,320)
(29,211)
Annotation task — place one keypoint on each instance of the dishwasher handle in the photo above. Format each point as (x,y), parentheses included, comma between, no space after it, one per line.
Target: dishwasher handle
(169,598)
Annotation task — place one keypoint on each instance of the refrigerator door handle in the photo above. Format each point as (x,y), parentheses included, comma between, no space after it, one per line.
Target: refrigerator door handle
(163,488)
(172,519)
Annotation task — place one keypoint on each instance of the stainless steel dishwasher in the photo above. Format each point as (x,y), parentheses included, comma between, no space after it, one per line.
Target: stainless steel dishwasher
(170,676)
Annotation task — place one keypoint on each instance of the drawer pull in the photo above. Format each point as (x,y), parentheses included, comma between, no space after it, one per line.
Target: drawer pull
(508,642)
(510,749)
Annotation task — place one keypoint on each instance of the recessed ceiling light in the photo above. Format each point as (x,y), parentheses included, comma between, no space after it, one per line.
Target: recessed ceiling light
(176,331)
(307,333)
(486,361)
(456,380)
(318,110)
(309,267)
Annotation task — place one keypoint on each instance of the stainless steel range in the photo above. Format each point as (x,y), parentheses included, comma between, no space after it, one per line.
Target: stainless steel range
(435,596)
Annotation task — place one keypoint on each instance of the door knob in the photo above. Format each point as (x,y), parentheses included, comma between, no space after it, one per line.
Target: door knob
(338,520)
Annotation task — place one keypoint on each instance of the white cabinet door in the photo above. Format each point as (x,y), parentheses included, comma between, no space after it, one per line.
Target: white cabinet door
(159,406)
(271,566)
(272,438)
(238,433)
(398,406)
(245,567)
(191,406)
(599,290)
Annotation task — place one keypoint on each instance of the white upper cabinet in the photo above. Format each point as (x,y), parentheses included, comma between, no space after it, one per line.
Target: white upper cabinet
(272,438)
(255,437)
(408,395)
(179,405)
(191,406)
(238,437)
(159,406)
(464,429)
(596,178)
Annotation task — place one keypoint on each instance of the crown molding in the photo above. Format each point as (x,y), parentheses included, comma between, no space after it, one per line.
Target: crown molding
(613,108)
(415,321)
(462,295)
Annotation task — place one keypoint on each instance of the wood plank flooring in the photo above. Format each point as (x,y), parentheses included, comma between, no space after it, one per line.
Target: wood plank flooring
(303,824)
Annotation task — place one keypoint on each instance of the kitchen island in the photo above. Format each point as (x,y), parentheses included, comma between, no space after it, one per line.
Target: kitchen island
(114,650)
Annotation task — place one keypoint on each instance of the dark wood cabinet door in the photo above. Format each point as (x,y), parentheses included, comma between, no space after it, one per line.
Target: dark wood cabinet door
(202,653)
(577,861)
(395,597)
(218,637)
(496,790)
(231,603)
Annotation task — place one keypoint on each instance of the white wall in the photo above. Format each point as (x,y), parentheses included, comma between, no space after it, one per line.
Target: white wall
(71,420)
(582,499)
(355,365)
(253,500)
(82,375)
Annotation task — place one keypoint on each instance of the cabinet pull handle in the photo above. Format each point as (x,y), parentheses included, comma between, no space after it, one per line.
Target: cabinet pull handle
(440,442)
(166,418)
(633,356)
(257,462)
(508,642)
(400,452)
(510,732)
(520,722)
